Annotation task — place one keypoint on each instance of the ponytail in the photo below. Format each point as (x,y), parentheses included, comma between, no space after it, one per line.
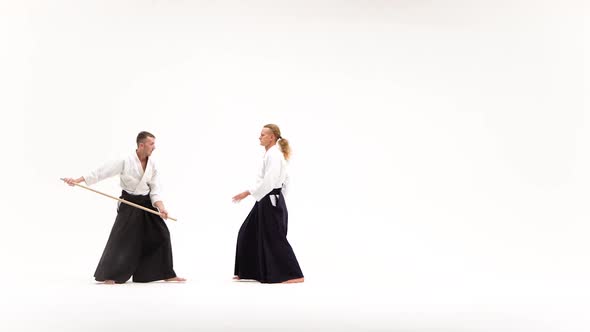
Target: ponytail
(283,143)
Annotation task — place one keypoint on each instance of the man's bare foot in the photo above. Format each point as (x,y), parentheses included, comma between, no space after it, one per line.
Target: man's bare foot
(236,278)
(293,281)
(109,282)
(176,279)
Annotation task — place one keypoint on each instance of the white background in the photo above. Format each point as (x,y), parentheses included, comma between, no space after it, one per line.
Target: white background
(440,170)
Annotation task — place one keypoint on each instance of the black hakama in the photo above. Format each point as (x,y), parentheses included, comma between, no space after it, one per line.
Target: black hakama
(263,252)
(139,245)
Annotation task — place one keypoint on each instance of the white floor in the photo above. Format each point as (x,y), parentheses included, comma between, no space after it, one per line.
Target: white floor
(341,304)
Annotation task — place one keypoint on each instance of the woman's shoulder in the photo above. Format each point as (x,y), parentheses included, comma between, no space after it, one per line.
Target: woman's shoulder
(274,152)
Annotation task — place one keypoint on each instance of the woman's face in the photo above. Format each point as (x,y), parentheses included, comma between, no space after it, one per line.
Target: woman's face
(266,137)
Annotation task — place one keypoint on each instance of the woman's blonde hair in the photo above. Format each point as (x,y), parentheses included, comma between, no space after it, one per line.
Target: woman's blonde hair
(283,143)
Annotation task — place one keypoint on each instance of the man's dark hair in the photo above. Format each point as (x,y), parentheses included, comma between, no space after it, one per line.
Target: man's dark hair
(143,135)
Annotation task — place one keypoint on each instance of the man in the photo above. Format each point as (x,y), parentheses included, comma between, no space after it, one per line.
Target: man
(139,244)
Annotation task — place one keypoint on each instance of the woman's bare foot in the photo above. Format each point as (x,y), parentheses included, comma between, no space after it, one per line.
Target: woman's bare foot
(237,278)
(109,282)
(176,279)
(293,281)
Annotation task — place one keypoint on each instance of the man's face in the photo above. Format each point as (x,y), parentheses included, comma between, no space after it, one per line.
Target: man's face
(148,146)
(266,137)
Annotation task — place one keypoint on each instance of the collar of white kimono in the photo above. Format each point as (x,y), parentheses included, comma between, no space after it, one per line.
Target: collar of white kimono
(272,147)
(149,159)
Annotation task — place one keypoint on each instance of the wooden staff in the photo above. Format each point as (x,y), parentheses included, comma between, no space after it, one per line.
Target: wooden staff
(121,200)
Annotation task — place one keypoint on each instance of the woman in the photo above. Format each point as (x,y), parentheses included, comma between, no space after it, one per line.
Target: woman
(263,252)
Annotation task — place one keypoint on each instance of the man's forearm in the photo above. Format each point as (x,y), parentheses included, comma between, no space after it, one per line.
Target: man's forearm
(159,205)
